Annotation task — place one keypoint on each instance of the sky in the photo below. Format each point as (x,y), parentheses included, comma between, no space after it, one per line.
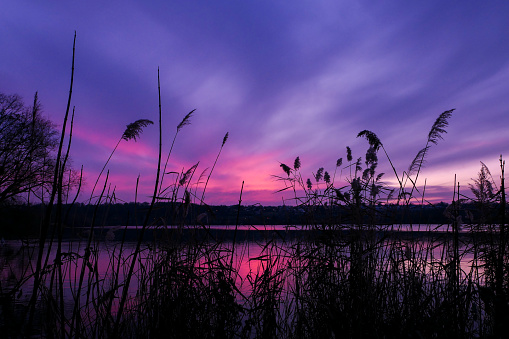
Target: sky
(284,79)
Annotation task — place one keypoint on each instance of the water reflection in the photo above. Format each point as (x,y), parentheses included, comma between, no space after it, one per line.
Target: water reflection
(17,259)
(259,266)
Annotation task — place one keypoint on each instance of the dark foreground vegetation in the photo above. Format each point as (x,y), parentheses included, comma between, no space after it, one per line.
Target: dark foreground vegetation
(340,279)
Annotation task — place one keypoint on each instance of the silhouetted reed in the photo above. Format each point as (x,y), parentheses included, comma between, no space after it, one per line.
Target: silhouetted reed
(348,272)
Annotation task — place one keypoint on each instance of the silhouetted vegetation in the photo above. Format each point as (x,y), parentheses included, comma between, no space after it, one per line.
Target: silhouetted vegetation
(28,142)
(344,276)
(114,214)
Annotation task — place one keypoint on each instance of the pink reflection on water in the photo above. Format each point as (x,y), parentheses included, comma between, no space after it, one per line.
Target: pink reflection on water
(110,261)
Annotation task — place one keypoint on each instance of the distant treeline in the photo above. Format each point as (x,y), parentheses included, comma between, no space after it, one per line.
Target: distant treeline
(21,220)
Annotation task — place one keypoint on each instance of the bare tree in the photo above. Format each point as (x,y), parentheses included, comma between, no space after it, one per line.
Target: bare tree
(27,145)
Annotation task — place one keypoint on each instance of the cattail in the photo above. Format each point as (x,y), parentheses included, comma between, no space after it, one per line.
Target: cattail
(348,154)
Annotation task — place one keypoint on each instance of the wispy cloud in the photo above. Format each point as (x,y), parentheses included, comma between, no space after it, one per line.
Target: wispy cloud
(284,80)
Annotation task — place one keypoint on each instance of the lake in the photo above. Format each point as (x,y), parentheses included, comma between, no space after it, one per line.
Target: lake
(248,260)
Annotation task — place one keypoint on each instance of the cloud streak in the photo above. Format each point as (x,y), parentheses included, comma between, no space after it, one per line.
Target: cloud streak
(283,80)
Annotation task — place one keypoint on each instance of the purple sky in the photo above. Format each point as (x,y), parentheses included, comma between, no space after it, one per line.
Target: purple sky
(285,79)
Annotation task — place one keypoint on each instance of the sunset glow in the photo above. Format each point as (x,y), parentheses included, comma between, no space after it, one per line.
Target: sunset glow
(283,80)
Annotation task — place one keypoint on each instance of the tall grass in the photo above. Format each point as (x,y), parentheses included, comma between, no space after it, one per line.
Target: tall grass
(348,274)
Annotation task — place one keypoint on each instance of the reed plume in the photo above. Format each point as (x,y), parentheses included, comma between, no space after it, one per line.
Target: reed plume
(418,161)
(435,134)
(309,184)
(372,138)
(339,162)
(286,168)
(439,127)
(296,163)
(186,121)
(376,144)
(326,177)
(319,174)
(134,129)
(132,132)
(136,252)
(46,222)
(484,185)
(225,138)
(188,174)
